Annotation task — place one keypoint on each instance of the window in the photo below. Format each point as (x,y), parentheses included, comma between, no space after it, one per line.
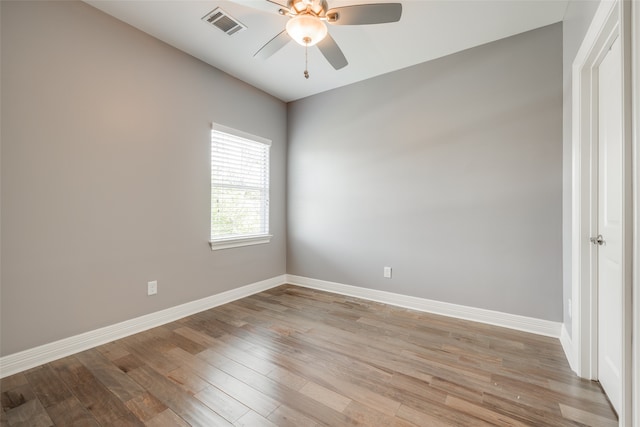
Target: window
(239,188)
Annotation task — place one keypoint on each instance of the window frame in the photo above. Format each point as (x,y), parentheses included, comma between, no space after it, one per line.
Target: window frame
(245,239)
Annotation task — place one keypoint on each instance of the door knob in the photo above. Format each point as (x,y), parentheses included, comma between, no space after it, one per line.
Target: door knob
(597,240)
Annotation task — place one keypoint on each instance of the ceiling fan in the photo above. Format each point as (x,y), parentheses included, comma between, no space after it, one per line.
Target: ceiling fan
(306,25)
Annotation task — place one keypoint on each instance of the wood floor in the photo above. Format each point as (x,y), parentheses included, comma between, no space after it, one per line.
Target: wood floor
(298,357)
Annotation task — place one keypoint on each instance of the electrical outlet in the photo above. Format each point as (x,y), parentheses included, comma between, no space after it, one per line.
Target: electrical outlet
(387,272)
(152,287)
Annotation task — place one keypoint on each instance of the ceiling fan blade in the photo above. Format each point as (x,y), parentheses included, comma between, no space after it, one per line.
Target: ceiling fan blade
(364,14)
(272,6)
(273,45)
(332,52)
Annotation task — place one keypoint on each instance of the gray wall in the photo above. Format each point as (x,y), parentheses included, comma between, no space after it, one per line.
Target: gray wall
(577,18)
(449,171)
(105,173)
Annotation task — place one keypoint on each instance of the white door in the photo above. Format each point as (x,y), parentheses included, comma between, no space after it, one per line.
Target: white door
(610,178)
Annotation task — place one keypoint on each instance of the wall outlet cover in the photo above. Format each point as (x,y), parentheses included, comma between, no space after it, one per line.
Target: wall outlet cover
(152,287)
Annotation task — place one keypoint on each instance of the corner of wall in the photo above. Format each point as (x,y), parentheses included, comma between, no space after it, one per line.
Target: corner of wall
(567,346)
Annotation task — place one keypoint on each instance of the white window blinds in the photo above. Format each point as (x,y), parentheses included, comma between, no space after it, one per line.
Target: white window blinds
(239,188)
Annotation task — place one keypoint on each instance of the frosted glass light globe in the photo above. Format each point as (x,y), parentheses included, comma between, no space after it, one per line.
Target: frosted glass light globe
(306,30)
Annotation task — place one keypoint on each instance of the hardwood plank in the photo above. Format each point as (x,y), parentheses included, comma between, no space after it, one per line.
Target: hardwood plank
(105,407)
(149,347)
(443,414)
(325,396)
(145,406)
(187,380)
(13,381)
(533,415)
(128,363)
(17,396)
(285,416)
(365,416)
(184,405)
(70,412)
(196,336)
(246,358)
(307,406)
(166,418)
(539,396)
(582,389)
(109,375)
(31,414)
(453,387)
(586,418)
(225,405)
(415,392)
(253,419)
(421,419)
(283,376)
(46,385)
(492,417)
(185,343)
(127,421)
(228,384)
(320,373)
(113,350)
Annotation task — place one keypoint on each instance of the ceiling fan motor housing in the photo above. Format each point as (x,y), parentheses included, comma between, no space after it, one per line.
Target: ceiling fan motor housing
(314,7)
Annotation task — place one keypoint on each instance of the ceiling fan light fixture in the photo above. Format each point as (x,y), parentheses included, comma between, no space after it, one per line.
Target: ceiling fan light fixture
(306,29)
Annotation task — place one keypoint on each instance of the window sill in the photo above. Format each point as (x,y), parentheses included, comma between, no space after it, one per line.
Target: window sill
(237,242)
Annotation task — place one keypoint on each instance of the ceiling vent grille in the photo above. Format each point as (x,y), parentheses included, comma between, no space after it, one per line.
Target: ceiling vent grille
(221,20)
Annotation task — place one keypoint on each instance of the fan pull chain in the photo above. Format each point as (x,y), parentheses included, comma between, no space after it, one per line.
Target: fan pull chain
(306,57)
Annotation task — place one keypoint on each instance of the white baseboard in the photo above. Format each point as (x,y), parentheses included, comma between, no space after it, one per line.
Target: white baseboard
(512,321)
(567,346)
(33,357)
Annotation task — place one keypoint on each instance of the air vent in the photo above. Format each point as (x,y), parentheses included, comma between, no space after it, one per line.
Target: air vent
(221,20)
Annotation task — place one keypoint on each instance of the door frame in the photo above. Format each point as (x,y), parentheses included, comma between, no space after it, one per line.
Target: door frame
(612,19)
(635,124)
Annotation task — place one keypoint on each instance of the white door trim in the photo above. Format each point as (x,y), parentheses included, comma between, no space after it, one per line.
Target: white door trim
(635,123)
(612,20)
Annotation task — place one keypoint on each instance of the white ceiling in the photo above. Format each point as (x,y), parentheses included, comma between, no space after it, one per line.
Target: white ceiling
(428,29)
